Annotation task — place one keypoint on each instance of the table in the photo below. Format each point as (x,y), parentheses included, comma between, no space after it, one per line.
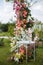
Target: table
(26,43)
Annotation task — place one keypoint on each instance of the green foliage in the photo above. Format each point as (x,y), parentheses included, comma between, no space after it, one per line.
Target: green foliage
(41,36)
(7,0)
(33,35)
(29,24)
(36,31)
(11,29)
(7,29)
(39,33)
(4,27)
(6,41)
(1,42)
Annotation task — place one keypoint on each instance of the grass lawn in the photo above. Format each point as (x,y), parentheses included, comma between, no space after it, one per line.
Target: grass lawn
(5,53)
(5,34)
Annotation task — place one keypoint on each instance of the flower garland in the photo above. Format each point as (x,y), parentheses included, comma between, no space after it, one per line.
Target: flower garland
(22,12)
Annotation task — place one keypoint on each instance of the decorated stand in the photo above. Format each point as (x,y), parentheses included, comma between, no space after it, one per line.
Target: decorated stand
(22,41)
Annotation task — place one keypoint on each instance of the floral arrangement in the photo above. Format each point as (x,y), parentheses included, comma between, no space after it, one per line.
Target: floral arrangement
(22,12)
(18,55)
(22,30)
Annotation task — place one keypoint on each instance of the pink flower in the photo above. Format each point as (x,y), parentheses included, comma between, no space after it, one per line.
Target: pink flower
(19,23)
(18,8)
(23,5)
(16,1)
(17,13)
(24,13)
(24,26)
(14,6)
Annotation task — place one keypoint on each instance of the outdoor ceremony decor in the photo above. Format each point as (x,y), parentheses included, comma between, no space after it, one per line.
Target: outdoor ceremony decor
(22,31)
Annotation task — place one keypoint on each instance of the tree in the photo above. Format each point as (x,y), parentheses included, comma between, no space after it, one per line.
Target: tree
(11,29)
(0,27)
(4,27)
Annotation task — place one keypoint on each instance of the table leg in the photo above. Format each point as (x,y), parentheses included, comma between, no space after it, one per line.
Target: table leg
(26,53)
(34,51)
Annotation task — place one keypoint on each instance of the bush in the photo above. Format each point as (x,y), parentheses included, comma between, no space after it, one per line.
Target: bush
(1,42)
(4,28)
(7,41)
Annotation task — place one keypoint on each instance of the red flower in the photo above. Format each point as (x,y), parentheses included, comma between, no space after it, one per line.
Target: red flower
(22,49)
(25,12)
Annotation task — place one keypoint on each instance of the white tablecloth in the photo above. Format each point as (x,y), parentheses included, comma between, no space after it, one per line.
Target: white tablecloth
(26,42)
